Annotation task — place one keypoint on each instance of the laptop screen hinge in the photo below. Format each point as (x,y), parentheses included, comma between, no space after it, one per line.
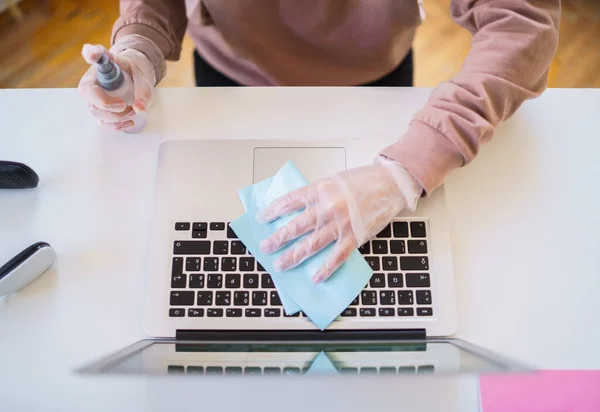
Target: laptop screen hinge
(299,335)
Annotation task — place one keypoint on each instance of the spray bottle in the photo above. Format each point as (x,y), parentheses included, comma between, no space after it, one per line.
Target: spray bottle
(118,83)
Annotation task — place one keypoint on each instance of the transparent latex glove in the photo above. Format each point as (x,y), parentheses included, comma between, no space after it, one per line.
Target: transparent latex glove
(113,112)
(348,208)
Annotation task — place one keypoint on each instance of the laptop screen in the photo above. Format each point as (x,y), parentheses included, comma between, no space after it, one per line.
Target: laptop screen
(333,358)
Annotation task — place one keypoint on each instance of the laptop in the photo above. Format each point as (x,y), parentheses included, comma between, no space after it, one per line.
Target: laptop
(211,309)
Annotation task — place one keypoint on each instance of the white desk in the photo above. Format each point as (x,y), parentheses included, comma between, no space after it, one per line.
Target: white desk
(525,220)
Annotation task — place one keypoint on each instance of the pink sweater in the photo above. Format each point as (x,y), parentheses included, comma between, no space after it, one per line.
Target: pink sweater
(350,42)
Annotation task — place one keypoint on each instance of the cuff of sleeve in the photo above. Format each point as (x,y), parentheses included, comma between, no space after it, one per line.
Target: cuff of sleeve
(426,153)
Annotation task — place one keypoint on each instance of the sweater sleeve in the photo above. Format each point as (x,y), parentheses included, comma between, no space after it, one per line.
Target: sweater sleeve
(513,44)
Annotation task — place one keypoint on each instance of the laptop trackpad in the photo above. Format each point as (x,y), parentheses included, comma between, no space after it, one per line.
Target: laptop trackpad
(313,162)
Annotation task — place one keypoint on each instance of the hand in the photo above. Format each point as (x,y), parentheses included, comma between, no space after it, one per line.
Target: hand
(348,208)
(112,112)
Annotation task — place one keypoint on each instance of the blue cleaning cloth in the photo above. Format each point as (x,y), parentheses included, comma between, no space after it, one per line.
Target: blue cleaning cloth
(321,303)
(322,365)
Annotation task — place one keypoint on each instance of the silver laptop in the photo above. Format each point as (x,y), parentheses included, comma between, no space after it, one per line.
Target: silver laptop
(201,279)
(213,310)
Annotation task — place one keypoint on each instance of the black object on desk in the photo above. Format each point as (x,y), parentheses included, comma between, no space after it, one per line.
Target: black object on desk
(15,175)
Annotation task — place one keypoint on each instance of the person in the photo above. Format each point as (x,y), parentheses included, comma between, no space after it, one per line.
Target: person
(342,43)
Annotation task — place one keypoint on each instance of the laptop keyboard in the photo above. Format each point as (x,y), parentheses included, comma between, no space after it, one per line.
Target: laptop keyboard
(292,370)
(213,275)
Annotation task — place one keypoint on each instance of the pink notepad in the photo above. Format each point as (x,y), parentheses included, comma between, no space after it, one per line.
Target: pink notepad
(544,391)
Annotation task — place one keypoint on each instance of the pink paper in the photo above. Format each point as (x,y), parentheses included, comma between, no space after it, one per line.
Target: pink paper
(543,391)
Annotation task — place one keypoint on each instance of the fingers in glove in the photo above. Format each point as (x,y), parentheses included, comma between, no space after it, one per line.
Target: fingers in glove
(305,248)
(96,95)
(286,204)
(118,126)
(111,117)
(341,252)
(297,227)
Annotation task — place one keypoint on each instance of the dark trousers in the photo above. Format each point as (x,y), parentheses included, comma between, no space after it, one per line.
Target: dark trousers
(208,76)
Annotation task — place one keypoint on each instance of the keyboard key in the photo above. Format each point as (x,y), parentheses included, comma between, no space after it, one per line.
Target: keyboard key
(397,247)
(178,281)
(365,249)
(368,370)
(424,312)
(271,370)
(417,229)
(221,247)
(387,370)
(426,369)
(400,229)
(394,280)
(230,233)
(272,313)
(417,246)
(368,297)
(259,298)
(246,264)
(387,297)
(217,225)
(373,261)
(406,312)
(205,298)
(177,267)
(199,234)
(406,369)
(275,300)
(414,263)
(193,264)
(259,267)
(241,298)
(195,370)
(354,302)
(367,311)
(417,280)
(211,264)
(294,315)
(214,370)
(175,369)
(423,297)
(195,313)
(252,370)
(380,247)
(214,281)
(176,313)
(237,248)
(233,313)
(253,313)
(386,232)
(182,226)
(191,247)
(349,312)
(267,281)
(250,280)
(386,312)
(196,280)
(405,297)
(233,370)
(233,281)
(228,264)
(389,263)
(181,298)
(377,280)
(349,371)
(223,298)
(214,313)
(200,226)
(291,370)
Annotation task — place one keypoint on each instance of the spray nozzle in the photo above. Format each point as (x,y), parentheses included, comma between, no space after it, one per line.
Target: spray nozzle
(108,73)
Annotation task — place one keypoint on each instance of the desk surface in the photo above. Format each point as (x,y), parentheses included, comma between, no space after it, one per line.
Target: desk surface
(525,217)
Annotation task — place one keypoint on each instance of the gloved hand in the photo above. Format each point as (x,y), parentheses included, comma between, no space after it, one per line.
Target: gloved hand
(348,208)
(112,112)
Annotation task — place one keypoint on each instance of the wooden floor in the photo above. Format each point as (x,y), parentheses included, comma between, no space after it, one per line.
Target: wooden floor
(44,49)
